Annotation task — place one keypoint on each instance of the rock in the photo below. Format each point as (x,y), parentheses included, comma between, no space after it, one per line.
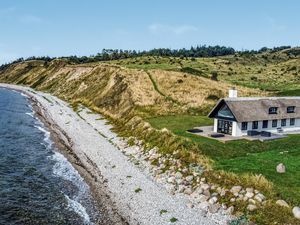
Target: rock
(171,189)
(252,201)
(181,188)
(179,181)
(282,203)
(230,210)
(250,190)
(204,206)
(280,168)
(251,207)
(202,198)
(235,189)
(203,179)
(178,175)
(214,208)
(205,187)
(232,200)
(296,212)
(259,197)
(207,193)
(190,205)
(171,180)
(188,191)
(189,178)
(213,200)
(249,194)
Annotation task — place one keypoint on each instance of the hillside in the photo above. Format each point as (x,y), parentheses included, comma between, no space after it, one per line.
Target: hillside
(116,90)
(156,99)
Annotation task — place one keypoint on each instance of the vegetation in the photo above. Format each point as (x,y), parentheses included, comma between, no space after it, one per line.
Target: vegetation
(176,92)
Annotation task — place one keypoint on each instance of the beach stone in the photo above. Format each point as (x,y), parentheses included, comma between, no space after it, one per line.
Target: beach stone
(251,207)
(249,194)
(280,168)
(170,189)
(190,205)
(252,201)
(207,193)
(189,178)
(213,200)
(230,210)
(232,200)
(188,191)
(282,203)
(235,189)
(171,180)
(250,190)
(202,198)
(179,181)
(178,175)
(204,206)
(205,187)
(213,208)
(296,212)
(203,179)
(259,197)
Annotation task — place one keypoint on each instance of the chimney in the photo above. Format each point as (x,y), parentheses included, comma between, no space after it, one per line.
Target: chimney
(233,93)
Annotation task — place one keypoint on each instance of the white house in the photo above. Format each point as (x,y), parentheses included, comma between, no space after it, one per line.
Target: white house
(238,115)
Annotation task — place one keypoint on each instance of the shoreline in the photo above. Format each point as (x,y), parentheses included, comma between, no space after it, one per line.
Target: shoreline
(125,193)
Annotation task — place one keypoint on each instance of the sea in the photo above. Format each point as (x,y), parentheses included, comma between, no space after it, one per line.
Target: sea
(38,185)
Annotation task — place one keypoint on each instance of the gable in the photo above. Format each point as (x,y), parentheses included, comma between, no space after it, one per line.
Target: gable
(222,111)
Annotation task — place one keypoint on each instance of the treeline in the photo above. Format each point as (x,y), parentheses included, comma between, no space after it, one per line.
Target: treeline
(193,52)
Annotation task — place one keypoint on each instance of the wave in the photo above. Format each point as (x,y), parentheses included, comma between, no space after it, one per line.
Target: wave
(79,209)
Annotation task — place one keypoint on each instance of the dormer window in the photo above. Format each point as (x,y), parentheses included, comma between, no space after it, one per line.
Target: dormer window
(273,110)
(290,109)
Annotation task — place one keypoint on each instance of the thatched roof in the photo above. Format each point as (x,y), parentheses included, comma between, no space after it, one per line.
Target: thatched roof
(253,109)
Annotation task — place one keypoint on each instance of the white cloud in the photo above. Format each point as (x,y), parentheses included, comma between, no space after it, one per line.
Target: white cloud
(30,19)
(178,30)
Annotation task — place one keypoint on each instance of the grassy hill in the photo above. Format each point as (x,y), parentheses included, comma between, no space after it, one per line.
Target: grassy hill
(144,95)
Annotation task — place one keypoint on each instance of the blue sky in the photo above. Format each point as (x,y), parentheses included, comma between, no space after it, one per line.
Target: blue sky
(68,27)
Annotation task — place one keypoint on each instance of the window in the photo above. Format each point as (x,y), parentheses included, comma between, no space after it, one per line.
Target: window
(292,122)
(273,110)
(265,124)
(225,112)
(274,123)
(290,109)
(244,125)
(283,122)
(254,125)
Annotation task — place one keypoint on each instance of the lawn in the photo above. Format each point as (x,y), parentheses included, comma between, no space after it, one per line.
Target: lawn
(244,156)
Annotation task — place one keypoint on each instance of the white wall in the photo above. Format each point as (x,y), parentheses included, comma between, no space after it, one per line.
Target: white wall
(215,125)
(287,128)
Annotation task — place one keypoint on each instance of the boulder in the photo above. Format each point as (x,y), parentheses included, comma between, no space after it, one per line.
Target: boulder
(251,207)
(204,206)
(235,189)
(230,210)
(178,175)
(296,212)
(189,178)
(259,197)
(280,168)
(282,203)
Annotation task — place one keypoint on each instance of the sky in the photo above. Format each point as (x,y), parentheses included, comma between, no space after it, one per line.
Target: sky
(85,27)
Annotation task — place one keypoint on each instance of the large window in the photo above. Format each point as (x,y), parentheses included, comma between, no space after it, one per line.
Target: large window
(292,122)
(274,123)
(225,112)
(283,122)
(265,124)
(244,125)
(273,110)
(290,109)
(254,125)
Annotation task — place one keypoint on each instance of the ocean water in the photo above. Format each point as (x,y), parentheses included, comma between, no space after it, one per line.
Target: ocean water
(37,184)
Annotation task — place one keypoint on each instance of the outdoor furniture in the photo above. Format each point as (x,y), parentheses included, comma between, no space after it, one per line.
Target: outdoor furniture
(265,134)
(195,130)
(279,130)
(252,133)
(216,135)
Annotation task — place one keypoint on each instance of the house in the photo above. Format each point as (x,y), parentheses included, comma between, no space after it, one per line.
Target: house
(237,116)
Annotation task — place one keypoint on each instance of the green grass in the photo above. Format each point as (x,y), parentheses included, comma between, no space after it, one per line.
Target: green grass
(244,156)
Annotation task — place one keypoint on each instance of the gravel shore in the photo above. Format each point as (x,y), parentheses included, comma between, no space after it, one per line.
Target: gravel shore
(130,191)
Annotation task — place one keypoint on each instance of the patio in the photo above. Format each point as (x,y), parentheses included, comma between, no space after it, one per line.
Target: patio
(207,131)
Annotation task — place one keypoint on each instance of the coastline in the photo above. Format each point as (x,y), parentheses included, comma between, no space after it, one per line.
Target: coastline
(114,180)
